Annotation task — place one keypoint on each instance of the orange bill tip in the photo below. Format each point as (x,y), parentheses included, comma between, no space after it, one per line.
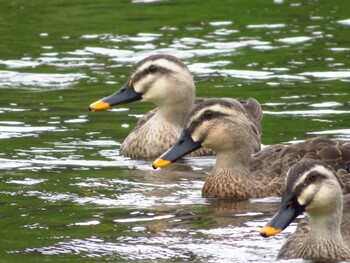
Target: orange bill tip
(160,163)
(268,231)
(99,105)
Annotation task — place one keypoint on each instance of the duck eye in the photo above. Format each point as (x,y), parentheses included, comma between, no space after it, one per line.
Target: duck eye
(312,177)
(152,69)
(208,114)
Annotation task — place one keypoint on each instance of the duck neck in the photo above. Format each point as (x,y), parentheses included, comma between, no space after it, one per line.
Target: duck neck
(175,111)
(324,241)
(231,178)
(237,163)
(230,171)
(326,225)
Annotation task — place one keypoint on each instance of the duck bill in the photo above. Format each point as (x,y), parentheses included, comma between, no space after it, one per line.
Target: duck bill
(125,94)
(290,209)
(183,146)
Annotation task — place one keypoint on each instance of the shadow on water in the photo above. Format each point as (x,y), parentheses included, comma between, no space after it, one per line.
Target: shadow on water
(66,193)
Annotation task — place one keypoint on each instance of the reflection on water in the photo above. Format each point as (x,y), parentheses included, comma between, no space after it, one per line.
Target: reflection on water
(63,182)
(15,79)
(345,22)
(184,48)
(164,235)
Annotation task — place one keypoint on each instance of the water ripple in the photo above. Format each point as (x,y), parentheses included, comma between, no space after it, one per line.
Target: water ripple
(345,22)
(318,112)
(111,52)
(329,75)
(343,134)
(17,79)
(23,131)
(294,40)
(3,110)
(267,26)
(241,244)
(26,181)
(52,60)
(142,219)
(221,23)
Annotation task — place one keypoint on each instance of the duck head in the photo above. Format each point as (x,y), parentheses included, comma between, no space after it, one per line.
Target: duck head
(222,125)
(160,79)
(313,187)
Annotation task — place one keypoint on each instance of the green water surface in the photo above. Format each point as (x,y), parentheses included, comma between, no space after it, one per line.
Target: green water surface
(67,195)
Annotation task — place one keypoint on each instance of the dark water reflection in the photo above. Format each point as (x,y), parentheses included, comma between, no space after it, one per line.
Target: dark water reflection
(67,194)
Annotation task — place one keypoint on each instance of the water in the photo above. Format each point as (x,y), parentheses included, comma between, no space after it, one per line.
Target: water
(66,193)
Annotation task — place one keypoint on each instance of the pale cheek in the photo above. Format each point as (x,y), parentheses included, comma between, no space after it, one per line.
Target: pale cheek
(138,86)
(196,136)
(306,194)
(199,132)
(323,199)
(149,95)
(157,92)
(217,140)
(209,142)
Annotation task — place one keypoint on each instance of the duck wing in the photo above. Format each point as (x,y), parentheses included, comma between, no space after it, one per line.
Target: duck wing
(275,161)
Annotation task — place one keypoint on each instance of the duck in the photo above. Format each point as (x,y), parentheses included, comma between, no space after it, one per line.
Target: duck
(165,81)
(318,189)
(226,127)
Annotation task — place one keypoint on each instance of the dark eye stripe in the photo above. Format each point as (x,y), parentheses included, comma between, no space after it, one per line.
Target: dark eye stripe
(306,182)
(214,114)
(141,74)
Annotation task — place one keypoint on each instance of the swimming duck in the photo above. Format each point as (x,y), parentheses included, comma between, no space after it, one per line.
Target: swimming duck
(165,81)
(316,188)
(225,127)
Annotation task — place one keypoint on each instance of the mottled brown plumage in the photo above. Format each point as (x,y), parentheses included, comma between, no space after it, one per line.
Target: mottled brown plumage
(274,161)
(325,234)
(238,173)
(261,174)
(264,176)
(148,140)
